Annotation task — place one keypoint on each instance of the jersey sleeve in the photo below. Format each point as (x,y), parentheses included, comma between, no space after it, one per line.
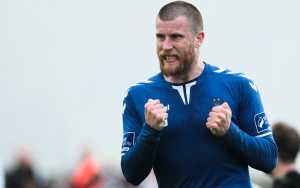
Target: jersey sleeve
(140,143)
(131,125)
(251,137)
(252,117)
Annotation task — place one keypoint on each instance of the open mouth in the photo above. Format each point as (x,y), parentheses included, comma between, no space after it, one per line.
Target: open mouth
(170,58)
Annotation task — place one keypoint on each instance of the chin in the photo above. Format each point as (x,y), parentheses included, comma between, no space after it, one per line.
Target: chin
(170,69)
(170,72)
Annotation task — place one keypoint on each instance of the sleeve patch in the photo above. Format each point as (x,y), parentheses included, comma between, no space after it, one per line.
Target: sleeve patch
(261,122)
(128,141)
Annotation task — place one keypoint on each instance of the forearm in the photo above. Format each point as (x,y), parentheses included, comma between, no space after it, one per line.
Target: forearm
(258,152)
(137,162)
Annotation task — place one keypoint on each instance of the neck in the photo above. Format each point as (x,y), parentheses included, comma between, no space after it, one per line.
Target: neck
(195,71)
(281,169)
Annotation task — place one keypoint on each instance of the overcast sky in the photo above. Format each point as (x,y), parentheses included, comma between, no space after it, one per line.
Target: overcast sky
(65,66)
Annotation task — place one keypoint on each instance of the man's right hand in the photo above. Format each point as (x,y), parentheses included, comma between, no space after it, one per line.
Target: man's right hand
(155,114)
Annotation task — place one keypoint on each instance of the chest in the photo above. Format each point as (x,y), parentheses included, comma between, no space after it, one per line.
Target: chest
(191,103)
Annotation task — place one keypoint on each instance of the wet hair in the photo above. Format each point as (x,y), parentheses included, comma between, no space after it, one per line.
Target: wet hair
(288,141)
(180,8)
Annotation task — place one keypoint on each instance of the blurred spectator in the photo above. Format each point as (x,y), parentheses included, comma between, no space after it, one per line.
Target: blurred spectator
(22,175)
(288,142)
(87,174)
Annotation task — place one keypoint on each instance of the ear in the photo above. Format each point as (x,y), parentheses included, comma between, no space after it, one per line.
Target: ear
(199,39)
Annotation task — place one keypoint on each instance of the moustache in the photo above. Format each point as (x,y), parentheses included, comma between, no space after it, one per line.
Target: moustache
(164,55)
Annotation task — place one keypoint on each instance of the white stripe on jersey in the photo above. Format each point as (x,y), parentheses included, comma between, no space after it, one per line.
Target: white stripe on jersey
(263,135)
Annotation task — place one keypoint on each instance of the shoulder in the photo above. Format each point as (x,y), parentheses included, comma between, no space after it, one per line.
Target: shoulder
(293,176)
(289,180)
(238,79)
(228,74)
(146,85)
(152,81)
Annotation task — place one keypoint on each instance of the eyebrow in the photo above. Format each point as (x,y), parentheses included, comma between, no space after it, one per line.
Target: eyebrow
(159,34)
(177,35)
(172,35)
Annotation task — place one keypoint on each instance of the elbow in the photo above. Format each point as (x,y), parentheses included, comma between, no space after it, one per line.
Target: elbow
(270,166)
(131,178)
(266,161)
(129,175)
(266,166)
(273,159)
(271,162)
(132,181)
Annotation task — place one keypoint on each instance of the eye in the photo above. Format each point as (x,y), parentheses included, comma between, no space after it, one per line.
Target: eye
(160,37)
(176,36)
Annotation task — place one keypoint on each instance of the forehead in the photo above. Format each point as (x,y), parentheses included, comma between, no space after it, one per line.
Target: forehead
(179,24)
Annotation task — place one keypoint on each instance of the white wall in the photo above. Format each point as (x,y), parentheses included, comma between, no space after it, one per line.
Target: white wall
(65,66)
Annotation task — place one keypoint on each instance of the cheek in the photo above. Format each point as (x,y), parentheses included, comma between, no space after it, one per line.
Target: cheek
(188,52)
(158,48)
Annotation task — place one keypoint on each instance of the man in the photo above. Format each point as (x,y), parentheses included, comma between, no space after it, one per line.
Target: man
(22,175)
(288,142)
(196,125)
(88,173)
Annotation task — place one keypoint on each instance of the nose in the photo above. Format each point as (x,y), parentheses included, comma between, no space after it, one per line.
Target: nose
(167,44)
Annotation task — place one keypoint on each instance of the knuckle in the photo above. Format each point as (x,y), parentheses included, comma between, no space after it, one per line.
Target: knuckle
(222,116)
(160,105)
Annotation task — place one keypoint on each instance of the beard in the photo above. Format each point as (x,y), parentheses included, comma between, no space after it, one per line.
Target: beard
(180,68)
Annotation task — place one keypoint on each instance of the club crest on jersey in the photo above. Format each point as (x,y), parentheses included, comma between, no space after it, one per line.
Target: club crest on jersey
(261,122)
(128,141)
(217,101)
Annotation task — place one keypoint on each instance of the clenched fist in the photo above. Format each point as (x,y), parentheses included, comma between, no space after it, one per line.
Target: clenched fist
(156,114)
(219,119)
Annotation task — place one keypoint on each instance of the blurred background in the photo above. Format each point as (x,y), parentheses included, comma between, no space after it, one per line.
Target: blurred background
(65,66)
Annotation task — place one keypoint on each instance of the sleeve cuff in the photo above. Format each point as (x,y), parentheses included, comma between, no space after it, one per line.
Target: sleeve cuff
(149,132)
(232,133)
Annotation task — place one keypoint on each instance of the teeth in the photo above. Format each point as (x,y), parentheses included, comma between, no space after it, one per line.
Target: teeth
(170,58)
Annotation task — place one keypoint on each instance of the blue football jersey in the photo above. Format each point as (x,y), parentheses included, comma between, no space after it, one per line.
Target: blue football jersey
(185,153)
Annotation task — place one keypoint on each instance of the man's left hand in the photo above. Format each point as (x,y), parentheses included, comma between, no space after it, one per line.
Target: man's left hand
(219,119)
